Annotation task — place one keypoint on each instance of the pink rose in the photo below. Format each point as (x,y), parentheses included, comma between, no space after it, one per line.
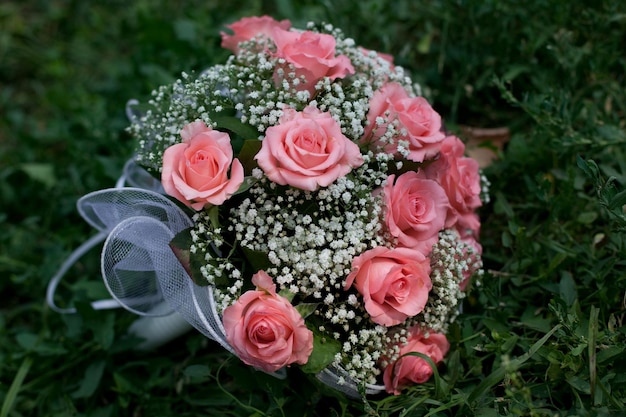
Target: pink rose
(460,178)
(250,27)
(415,210)
(415,116)
(265,330)
(468,223)
(409,370)
(312,55)
(394,283)
(307,150)
(196,170)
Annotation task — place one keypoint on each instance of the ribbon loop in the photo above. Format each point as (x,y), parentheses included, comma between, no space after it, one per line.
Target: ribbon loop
(135,253)
(105,209)
(137,177)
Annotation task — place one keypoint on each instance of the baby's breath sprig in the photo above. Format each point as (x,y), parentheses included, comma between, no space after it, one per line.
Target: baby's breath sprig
(452,261)
(485,184)
(310,237)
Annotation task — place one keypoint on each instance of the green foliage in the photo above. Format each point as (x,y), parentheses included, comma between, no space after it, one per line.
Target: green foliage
(543,335)
(324,351)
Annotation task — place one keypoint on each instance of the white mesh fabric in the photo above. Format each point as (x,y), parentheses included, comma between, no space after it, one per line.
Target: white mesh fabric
(105,209)
(135,253)
(140,223)
(138,266)
(330,376)
(197,305)
(136,176)
(132,112)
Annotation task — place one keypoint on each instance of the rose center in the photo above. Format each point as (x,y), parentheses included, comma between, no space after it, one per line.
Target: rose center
(310,141)
(398,290)
(311,46)
(263,333)
(418,206)
(203,163)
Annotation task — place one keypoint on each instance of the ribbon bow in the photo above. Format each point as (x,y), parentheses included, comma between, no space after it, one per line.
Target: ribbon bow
(138,266)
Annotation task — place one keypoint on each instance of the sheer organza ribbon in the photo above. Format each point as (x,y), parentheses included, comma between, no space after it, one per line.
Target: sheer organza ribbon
(138,267)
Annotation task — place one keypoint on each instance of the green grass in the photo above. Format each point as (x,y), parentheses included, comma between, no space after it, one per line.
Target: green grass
(543,335)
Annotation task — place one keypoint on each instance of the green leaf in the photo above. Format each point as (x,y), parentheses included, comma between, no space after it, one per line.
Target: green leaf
(324,351)
(234,125)
(423,45)
(248,151)
(507,240)
(579,384)
(197,371)
(43,173)
(618,200)
(567,288)
(515,70)
(257,259)
(245,185)
(27,340)
(33,343)
(587,217)
(185,29)
(609,353)
(589,167)
(502,205)
(531,319)
(578,349)
(495,325)
(285,293)
(104,329)
(125,385)
(214,216)
(91,380)
(180,245)
(306,309)
(92,289)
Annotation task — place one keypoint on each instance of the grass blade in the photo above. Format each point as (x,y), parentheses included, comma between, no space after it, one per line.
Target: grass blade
(593,332)
(7,405)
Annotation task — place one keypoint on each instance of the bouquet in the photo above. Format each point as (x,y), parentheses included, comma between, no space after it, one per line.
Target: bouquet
(319,214)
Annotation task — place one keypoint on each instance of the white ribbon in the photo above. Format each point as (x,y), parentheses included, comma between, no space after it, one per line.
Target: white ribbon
(138,267)
(330,376)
